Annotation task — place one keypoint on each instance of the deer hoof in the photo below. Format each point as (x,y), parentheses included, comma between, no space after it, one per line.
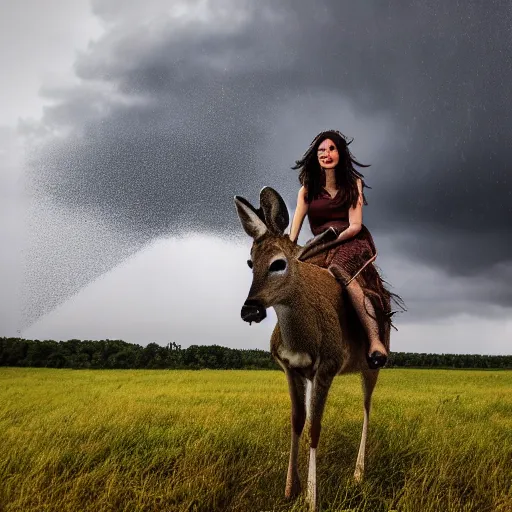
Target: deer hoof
(292,490)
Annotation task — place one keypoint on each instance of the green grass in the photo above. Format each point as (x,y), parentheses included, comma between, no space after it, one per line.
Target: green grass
(141,440)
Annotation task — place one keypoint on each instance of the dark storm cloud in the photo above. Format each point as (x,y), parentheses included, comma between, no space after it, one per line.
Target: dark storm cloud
(174,159)
(432,293)
(181,132)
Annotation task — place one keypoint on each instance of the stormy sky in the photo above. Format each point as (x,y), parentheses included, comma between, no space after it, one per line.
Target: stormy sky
(127,128)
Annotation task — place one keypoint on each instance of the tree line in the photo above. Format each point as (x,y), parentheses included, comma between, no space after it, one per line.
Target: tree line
(118,354)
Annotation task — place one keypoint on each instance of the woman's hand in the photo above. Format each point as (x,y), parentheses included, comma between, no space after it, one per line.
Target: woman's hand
(350,232)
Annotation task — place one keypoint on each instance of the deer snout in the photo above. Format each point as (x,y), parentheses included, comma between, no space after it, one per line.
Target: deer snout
(253,311)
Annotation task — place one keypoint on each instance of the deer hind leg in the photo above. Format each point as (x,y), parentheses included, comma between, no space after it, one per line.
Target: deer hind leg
(369,379)
(296,386)
(320,388)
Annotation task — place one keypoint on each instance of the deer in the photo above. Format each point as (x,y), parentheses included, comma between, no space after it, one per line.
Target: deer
(317,335)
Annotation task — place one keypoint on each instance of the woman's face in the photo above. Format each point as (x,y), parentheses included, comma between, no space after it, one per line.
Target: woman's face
(328,156)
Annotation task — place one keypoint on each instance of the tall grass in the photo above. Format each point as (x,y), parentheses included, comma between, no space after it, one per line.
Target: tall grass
(218,440)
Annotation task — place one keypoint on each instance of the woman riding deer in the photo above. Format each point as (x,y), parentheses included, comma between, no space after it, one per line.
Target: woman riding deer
(332,196)
(316,337)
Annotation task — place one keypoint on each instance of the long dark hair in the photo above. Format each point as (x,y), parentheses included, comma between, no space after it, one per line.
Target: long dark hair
(312,176)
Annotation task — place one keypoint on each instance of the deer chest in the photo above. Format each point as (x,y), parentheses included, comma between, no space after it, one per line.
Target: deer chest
(294,359)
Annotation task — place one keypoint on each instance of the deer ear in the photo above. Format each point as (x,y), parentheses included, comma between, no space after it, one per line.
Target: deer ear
(250,218)
(274,209)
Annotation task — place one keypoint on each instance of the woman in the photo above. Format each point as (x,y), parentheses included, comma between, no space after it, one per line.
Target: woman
(332,196)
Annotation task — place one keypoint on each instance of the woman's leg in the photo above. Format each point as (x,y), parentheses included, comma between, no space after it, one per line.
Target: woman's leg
(377,355)
(366,312)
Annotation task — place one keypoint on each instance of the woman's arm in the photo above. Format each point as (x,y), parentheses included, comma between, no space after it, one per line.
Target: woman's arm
(300,213)
(355,216)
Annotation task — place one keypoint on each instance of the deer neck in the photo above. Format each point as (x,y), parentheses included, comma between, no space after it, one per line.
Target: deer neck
(297,321)
(312,303)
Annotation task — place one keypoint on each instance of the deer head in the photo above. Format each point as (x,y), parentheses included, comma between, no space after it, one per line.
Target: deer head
(273,255)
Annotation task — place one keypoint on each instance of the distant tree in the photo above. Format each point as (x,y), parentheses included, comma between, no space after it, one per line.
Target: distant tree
(120,354)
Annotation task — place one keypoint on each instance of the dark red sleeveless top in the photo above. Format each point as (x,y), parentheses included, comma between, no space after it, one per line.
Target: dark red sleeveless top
(324,212)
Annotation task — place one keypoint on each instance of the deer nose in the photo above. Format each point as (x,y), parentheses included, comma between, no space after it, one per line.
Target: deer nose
(253,311)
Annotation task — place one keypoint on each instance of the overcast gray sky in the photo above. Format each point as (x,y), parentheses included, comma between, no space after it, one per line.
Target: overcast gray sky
(156,114)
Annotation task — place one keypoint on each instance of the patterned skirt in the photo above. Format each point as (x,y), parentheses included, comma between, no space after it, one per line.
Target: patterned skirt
(354,259)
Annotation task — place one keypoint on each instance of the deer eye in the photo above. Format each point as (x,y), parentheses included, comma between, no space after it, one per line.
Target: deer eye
(249,263)
(277,266)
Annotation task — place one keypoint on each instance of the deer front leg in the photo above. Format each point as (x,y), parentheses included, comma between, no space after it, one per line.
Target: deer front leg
(320,388)
(369,379)
(296,386)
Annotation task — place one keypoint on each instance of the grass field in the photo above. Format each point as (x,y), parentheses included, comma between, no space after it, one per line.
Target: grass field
(141,440)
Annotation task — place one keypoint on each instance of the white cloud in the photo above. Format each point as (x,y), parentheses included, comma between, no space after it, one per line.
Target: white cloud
(189,290)
(213,16)
(11,229)
(38,44)
(458,334)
